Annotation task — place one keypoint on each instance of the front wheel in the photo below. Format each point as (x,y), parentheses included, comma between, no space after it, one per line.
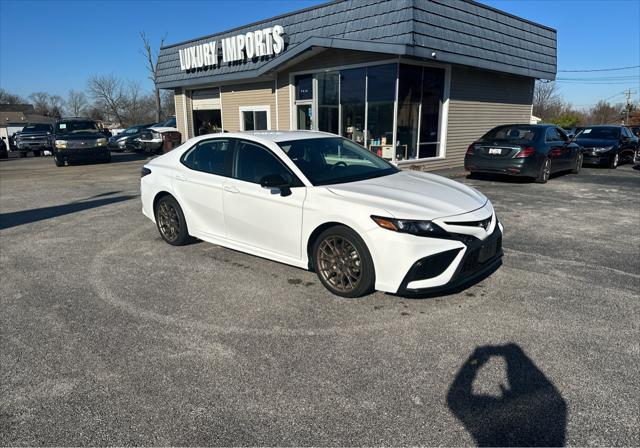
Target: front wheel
(170,221)
(343,262)
(57,161)
(578,165)
(36,153)
(613,162)
(545,172)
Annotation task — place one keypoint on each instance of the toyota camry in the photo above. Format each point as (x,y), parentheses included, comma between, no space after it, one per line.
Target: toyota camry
(321,202)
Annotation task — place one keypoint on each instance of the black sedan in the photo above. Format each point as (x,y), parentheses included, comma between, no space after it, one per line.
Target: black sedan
(128,139)
(527,150)
(607,145)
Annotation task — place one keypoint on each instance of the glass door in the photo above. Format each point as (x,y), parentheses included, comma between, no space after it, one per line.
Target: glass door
(328,101)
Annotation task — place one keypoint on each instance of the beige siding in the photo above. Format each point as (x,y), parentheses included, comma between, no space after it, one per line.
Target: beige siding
(480,100)
(284,123)
(255,94)
(180,124)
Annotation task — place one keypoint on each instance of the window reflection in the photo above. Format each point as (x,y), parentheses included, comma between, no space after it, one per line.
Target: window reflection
(381,93)
(328,107)
(352,100)
(432,94)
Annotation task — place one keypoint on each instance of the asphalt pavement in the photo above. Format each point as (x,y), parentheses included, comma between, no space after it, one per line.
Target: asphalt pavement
(109,336)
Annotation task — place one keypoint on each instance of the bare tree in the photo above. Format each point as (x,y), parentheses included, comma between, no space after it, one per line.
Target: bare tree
(10,98)
(605,113)
(108,93)
(168,104)
(45,104)
(152,68)
(76,103)
(546,100)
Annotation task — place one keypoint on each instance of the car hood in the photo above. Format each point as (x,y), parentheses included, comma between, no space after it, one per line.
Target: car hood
(595,142)
(413,195)
(163,129)
(81,136)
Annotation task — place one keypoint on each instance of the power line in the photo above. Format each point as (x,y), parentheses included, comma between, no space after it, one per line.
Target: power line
(600,69)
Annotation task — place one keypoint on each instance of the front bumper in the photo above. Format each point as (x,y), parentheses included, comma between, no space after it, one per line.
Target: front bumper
(526,166)
(478,259)
(84,154)
(596,158)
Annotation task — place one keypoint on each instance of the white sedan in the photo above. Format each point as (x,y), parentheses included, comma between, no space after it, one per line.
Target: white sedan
(321,202)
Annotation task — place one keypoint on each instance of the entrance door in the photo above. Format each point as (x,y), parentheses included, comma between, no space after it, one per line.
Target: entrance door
(259,217)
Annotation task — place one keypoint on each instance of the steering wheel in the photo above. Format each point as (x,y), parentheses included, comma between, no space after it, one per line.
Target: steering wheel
(340,163)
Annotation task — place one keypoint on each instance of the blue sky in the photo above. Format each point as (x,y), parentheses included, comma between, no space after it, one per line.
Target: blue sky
(54,46)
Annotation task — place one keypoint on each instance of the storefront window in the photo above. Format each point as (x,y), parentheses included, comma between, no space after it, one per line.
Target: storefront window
(304,116)
(304,87)
(352,100)
(381,93)
(432,95)
(409,96)
(328,106)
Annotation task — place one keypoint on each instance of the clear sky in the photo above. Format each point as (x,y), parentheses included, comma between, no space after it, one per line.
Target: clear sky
(55,45)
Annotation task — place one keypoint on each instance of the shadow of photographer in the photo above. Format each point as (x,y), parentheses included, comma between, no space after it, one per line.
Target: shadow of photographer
(530,412)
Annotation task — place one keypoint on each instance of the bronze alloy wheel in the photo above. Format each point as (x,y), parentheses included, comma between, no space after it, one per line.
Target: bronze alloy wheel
(168,220)
(339,263)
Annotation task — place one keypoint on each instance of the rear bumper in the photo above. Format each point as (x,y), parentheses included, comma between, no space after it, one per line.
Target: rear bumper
(528,167)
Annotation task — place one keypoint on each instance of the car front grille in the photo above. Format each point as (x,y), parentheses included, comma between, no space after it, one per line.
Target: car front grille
(484,223)
(80,144)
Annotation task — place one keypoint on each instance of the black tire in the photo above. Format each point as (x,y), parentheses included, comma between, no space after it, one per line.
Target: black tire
(57,161)
(171,222)
(578,165)
(107,158)
(36,153)
(614,161)
(23,154)
(545,172)
(350,260)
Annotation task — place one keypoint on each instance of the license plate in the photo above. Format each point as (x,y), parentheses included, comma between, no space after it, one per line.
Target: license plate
(487,251)
(495,151)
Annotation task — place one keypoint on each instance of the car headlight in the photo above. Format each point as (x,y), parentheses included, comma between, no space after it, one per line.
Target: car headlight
(413,227)
(603,149)
(101,142)
(61,144)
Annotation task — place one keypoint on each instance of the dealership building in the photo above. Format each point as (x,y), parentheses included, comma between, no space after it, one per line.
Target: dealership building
(415,81)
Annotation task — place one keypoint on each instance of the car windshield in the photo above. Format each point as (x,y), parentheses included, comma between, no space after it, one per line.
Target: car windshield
(605,133)
(335,160)
(170,123)
(518,133)
(133,130)
(37,128)
(75,127)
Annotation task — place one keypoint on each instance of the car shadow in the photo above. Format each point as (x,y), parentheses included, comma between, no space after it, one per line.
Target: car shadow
(530,411)
(13,219)
(121,157)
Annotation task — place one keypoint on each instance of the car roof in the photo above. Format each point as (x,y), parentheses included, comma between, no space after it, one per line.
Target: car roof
(267,136)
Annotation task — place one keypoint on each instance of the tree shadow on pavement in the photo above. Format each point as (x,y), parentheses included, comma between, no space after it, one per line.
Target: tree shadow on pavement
(13,219)
(530,412)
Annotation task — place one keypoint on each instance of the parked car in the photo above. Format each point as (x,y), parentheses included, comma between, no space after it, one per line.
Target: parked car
(78,140)
(528,150)
(128,139)
(153,138)
(607,145)
(4,152)
(35,137)
(322,202)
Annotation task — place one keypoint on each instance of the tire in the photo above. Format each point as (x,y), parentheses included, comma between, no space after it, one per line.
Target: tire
(171,222)
(545,172)
(338,254)
(576,168)
(37,153)
(23,154)
(107,158)
(57,161)
(613,162)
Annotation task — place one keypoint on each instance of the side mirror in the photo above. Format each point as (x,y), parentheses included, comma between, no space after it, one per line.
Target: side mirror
(276,181)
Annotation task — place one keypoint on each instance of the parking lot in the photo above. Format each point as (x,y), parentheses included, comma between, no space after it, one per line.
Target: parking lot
(111,336)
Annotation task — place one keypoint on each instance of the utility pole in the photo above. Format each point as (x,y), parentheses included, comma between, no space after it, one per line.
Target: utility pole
(628,106)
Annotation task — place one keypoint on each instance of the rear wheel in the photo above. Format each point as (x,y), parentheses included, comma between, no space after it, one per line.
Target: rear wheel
(58,161)
(545,172)
(170,221)
(578,165)
(613,162)
(343,262)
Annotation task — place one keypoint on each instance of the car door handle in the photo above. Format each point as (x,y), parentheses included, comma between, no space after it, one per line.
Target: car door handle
(230,189)
(181,177)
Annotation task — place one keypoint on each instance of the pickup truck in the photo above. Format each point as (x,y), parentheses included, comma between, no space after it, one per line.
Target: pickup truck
(34,137)
(152,139)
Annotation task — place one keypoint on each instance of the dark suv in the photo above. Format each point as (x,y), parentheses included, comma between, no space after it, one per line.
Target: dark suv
(34,137)
(79,140)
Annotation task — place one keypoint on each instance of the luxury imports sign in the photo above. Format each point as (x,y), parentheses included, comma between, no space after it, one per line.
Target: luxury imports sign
(259,43)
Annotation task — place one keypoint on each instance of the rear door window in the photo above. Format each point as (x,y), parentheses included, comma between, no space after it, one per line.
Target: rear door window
(210,156)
